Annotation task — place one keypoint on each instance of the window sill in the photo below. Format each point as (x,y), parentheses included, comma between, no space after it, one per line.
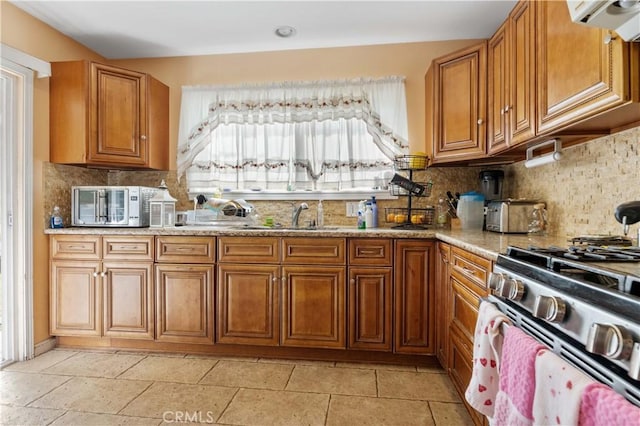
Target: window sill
(298,195)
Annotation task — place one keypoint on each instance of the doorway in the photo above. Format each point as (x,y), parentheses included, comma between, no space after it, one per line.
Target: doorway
(16,158)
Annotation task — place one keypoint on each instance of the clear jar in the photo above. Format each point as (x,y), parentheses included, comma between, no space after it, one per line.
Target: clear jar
(538,222)
(442,213)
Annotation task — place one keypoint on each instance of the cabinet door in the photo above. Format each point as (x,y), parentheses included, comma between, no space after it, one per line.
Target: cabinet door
(414,291)
(128,299)
(442,297)
(184,303)
(460,104)
(520,109)
(313,302)
(461,369)
(370,308)
(118,116)
(248,304)
(75,298)
(498,90)
(578,74)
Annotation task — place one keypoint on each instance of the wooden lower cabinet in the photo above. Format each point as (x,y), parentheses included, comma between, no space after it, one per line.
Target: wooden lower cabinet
(75,298)
(442,297)
(184,303)
(248,303)
(313,306)
(461,369)
(128,300)
(370,308)
(108,293)
(414,294)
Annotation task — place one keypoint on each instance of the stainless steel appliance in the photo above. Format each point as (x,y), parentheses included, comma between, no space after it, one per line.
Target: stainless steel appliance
(509,216)
(585,308)
(111,206)
(491,184)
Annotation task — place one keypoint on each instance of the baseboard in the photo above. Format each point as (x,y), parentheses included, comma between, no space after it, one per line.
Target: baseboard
(45,346)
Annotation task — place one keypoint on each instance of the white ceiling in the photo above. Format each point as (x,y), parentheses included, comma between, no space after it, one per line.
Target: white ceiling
(142,29)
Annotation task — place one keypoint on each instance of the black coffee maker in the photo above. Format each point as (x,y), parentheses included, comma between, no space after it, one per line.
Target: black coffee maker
(491,184)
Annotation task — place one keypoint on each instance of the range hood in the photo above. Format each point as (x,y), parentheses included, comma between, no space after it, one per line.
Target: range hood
(623,16)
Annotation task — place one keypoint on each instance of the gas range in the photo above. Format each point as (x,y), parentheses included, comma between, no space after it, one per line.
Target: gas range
(584,309)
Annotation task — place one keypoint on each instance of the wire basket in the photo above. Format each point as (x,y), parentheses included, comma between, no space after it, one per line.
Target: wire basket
(419,216)
(399,191)
(411,162)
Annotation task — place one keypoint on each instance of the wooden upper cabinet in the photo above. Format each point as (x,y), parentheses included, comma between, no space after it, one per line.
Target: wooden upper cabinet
(579,74)
(108,116)
(510,80)
(459,104)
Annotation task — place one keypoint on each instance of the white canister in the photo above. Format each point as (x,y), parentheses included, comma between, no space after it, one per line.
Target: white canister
(471,210)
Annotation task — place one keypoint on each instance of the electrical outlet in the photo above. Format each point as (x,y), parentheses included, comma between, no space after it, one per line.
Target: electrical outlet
(352,209)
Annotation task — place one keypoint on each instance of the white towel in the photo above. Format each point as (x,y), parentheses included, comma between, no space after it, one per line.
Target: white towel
(559,389)
(487,347)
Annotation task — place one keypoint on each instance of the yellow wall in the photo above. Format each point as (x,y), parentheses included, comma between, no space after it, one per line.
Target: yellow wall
(23,32)
(30,35)
(410,60)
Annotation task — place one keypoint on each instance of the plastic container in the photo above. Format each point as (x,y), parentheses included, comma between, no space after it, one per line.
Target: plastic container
(374,211)
(471,211)
(368,216)
(55,221)
(538,220)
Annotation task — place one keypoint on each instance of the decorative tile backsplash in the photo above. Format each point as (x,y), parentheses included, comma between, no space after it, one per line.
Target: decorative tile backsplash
(581,190)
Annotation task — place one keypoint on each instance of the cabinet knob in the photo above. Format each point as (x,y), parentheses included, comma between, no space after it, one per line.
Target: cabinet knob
(275,279)
(501,111)
(507,108)
(95,274)
(480,121)
(352,281)
(103,274)
(608,38)
(143,137)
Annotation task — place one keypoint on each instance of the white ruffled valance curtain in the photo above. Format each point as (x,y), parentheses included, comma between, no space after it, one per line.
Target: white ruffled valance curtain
(312,135)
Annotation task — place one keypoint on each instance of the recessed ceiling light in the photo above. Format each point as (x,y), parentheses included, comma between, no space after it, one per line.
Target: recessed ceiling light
(285,31)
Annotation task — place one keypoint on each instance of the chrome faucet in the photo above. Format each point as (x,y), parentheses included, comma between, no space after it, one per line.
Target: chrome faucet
(296,214)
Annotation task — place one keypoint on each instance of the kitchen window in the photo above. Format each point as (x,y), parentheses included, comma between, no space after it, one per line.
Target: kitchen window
(338,138)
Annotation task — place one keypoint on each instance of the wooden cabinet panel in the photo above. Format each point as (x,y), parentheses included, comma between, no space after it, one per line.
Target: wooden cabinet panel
(510,80)
(459,104)
(461,369)
(175,249)
(117,122)
(248,304)
(184,303)
(370,308)
(75,301)
(464,308)
(128,299)
(473,270)
(75,247)
(577,74)
(442,298)
(313,306)
(370,251)
(128,248)
(249,250)
(414,314)
(313,251)
(108,116)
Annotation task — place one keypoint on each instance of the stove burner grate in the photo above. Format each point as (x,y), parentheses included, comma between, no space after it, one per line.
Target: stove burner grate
(602,240)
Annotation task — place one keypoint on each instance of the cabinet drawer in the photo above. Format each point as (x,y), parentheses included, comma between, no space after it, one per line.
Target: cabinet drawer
(370,251)
(464,308)
(313,251)
(248,250)
(185,249)
(473,270)
(76,247)
(127,248)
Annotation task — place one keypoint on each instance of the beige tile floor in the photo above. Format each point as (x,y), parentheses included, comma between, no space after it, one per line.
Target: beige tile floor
(64,387)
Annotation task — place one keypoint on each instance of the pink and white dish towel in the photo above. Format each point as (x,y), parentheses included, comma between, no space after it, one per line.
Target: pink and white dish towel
(514,402)
(483,387)
(601,405)
(558,390)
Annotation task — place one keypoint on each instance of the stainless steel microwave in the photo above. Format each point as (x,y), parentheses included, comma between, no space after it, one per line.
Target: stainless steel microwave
(117,206)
